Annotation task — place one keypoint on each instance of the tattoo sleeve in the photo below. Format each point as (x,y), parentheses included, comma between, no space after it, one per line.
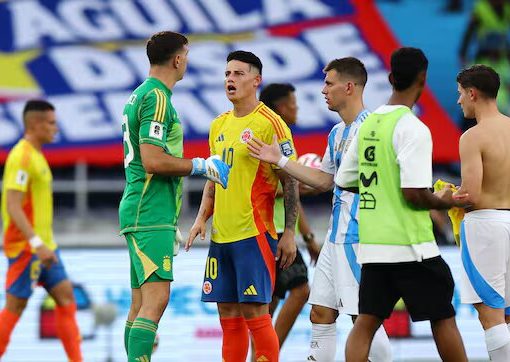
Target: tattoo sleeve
(291,199)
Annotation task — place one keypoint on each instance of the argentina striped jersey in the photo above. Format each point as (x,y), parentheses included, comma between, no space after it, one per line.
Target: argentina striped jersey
(343,223)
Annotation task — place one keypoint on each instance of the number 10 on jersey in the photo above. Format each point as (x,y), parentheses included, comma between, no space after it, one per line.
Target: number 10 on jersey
(227,156)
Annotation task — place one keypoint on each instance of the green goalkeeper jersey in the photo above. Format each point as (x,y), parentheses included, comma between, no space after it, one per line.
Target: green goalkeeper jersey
(150,202)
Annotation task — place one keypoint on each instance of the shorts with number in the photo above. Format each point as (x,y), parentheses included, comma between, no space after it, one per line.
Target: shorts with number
(336,279)
(241,271)
(485,250)
(25,272)
(152,256)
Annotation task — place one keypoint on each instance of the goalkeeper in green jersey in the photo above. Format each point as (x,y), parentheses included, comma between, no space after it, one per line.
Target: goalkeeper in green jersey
(150,205)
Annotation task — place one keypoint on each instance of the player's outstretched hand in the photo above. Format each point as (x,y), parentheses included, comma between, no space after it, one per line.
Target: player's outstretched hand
(46,256)
(286,250)
(264,152)
(199,227)
(213,169)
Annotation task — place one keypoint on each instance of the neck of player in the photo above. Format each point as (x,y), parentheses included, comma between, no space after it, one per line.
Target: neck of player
(34,141)
(351,111)
(245,106)
(486,110)
(164,76)
(404,98)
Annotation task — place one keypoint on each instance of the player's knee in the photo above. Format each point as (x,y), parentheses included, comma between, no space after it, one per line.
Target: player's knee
(153,309)
(16,305)
(322,315)
(301,293)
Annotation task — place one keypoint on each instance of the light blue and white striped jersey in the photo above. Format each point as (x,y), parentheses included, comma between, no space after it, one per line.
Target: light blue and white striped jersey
(343,223)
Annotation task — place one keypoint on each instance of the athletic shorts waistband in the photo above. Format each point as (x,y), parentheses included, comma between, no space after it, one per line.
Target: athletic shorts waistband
(489,214)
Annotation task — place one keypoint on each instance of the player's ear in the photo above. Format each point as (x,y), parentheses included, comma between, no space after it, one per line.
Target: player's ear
(472,94)
(390,78)
(422,77)
(176,61)
(349,88)
(257,80)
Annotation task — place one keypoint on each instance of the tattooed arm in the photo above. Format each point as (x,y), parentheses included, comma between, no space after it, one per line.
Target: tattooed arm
(286,251)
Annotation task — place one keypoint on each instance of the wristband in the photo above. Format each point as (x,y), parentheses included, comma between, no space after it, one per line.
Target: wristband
(35,242)
(282,161)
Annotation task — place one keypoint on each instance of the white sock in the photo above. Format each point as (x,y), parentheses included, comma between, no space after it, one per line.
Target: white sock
(380,350)
(497,339)
(323,344)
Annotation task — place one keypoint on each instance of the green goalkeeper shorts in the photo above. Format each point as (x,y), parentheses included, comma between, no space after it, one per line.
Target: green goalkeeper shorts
(151,254)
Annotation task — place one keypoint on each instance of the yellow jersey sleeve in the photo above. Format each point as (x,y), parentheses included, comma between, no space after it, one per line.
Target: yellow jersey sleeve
(17,169)
(278,127)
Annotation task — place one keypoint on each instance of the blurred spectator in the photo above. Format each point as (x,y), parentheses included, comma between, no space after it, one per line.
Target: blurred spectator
(489,18)
(490,25)
(498,59)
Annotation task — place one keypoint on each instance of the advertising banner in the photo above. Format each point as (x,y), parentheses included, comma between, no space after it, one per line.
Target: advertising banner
(86,56)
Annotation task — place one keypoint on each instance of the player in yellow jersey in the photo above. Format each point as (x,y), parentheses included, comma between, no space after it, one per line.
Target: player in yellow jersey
(27,212)
(240,268)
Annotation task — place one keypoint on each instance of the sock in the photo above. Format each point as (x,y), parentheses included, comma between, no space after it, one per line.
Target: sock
(141,340)
(9,320)
(380,351)
(323,343)
(267,346)
(235,339)
(127,329)
(68,331)
(497,339)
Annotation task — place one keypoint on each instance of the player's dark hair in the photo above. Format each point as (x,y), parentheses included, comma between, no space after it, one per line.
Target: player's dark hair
(406,65)
(351,67)
(275,92)
(246,57)
(481,77)
(36,105)
(162,46)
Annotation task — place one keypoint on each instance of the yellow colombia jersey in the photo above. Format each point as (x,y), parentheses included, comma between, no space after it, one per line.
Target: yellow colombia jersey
(27,170)
(245,208)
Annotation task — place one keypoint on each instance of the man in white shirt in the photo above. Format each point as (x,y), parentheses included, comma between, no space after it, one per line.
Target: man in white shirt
(390,164)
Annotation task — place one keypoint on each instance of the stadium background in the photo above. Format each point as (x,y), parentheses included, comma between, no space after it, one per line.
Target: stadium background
(86,56)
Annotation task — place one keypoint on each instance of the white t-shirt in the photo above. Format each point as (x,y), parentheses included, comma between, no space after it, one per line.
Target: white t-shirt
(412,142)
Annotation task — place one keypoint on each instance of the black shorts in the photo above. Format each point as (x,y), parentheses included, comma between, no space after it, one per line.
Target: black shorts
(290,278)
(426,288)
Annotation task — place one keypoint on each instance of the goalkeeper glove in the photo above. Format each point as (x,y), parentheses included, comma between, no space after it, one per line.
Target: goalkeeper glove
(213,169)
